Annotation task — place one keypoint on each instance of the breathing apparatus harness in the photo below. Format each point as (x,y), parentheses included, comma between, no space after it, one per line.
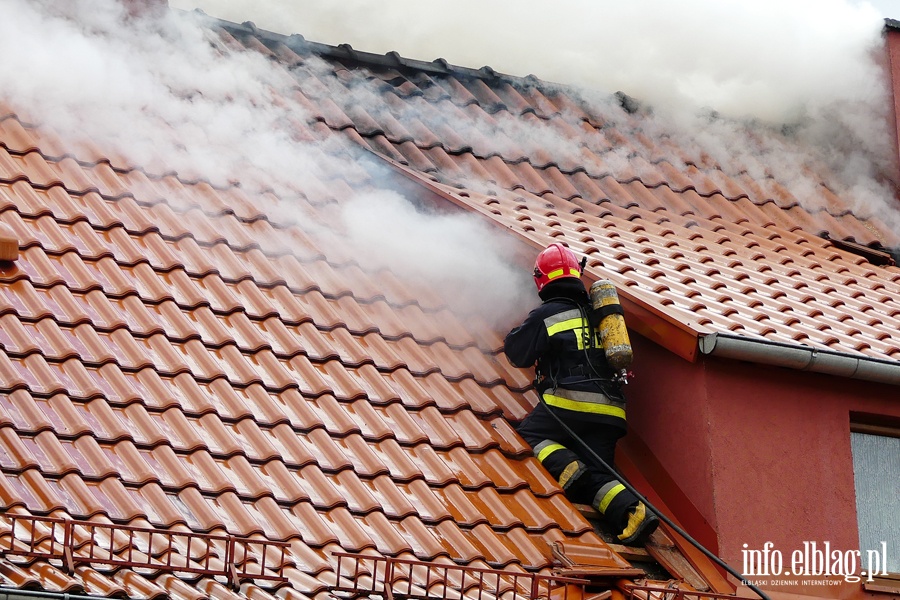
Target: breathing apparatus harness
(591,317)
(588,367)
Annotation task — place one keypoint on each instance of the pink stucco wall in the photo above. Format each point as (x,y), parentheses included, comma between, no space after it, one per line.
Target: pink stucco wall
(763,453)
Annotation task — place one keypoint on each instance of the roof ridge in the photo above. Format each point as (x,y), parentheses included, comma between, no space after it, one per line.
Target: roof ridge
(393,59)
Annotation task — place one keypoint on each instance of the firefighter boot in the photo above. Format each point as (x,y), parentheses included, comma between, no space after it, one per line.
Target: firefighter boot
(641,523)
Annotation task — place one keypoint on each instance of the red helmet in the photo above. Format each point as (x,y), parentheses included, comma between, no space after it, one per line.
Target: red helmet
(555,262)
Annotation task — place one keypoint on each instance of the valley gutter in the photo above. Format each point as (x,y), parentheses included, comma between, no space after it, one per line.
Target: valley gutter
(641,313)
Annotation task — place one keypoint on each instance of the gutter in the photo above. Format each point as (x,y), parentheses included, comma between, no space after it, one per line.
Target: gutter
(803,358)
(17,594)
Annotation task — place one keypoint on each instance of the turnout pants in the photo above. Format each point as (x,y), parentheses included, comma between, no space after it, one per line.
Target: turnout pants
(583,481)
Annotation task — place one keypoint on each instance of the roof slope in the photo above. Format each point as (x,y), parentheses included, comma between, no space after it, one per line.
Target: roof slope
(167,363)
(191,357)
(730,239)
(176,357)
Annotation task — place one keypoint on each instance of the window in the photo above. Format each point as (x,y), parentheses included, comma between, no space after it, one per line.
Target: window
(876,468)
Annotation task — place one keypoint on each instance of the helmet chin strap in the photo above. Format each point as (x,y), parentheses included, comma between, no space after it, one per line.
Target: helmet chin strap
(583,263)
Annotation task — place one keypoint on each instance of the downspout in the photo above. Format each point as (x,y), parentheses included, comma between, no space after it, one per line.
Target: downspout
(803,358)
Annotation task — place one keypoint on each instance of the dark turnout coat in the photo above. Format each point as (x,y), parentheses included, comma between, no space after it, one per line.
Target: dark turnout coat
(560,339)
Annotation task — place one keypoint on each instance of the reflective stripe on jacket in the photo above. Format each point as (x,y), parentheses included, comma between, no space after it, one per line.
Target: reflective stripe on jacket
(596,403)
(573,375)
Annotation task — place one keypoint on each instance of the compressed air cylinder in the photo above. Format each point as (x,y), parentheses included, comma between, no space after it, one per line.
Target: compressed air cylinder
(613,332)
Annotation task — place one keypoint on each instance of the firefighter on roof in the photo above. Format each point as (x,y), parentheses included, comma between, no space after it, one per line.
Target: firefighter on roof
(578,378)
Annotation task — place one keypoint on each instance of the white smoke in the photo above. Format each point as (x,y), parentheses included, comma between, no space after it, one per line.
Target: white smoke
(766,59)
(457,254)
(168,96)
(808,66)
(164,93)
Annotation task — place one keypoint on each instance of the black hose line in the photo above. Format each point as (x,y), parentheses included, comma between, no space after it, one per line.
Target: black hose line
(599,462)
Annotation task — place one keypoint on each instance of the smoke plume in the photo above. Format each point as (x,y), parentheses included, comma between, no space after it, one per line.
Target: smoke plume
(168,96)
(723,78)
(765,59)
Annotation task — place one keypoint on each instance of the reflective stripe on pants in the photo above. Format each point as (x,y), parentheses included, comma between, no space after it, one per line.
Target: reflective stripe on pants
(560,462)
(554,448)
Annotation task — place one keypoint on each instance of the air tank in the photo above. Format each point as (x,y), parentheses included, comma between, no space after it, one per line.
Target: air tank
(613,332)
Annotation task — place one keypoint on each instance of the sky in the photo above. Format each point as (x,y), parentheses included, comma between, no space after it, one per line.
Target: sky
(887,8)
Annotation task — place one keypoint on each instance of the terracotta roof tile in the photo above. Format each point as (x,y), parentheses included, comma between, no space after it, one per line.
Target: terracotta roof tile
(293,450)
(322,495)
(384,534)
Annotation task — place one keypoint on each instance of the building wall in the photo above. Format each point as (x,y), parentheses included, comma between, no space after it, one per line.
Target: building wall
(762,452)
(669,413)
